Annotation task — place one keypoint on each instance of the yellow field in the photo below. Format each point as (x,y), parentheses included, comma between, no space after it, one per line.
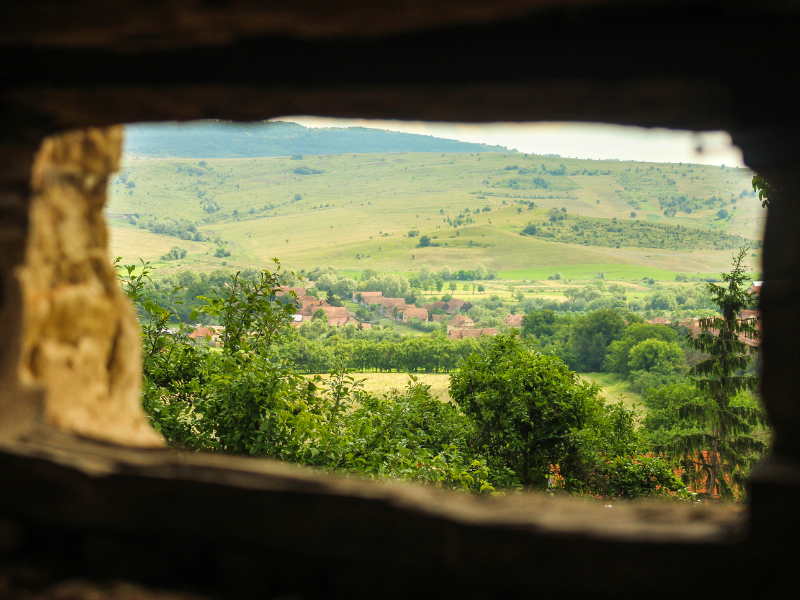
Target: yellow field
(381,383)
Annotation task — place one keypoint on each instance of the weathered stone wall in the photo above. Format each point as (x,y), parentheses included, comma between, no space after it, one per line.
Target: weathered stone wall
(80,339)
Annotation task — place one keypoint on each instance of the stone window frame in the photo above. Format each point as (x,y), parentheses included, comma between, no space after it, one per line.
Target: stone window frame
(72,482)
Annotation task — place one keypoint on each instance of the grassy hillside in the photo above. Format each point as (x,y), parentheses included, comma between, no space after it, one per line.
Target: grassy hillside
(354,211)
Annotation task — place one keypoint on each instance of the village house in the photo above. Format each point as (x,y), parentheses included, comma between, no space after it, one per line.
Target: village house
(460,322)
(513,320)
(309,302)
(207,335)
(455,305)
(460,334)
(299,291)
(659,321)
(389,304)
(435,306)
(337,315)
(368,298)
(411,312)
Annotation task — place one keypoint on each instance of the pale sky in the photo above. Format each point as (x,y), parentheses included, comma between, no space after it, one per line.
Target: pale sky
(576,140)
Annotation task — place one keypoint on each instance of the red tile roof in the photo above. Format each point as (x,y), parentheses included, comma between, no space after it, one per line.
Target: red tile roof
(513,320)
(416,313)
(460,334)
(460,321)
(300,291)
(390,303)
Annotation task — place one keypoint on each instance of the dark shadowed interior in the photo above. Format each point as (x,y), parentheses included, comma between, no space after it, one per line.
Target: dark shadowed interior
(105,503)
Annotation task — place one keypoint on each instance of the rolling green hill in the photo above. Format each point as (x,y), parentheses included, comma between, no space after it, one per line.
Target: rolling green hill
(354,211)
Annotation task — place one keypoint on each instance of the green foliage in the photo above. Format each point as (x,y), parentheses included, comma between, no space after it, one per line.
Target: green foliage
(590,337)
(657,356)
(175,253)
(538,420)
(540,323)
(248,398)
(619,352)
(721,452)
(764,189)
(307,171)
(615,233)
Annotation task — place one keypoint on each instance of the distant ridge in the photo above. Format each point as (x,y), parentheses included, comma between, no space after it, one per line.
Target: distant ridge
(216,139)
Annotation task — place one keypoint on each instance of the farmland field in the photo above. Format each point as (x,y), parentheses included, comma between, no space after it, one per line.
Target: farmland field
(381,383)
(613,390)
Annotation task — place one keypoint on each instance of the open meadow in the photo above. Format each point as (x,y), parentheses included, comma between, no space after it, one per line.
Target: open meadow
(613,389)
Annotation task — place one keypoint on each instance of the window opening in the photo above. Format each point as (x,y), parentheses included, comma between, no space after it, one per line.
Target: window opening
(433,297)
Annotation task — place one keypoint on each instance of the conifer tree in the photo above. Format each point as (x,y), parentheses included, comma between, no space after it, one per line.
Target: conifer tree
(723,447)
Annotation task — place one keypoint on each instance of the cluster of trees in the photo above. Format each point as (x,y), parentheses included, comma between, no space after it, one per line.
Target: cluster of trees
(711,423)
(316,348)
(687,299)
(175,253)
(186,230)
(521,419)
(308,171)
(674,204)
(615,233)
(532,178)
(393,285)
(607,340)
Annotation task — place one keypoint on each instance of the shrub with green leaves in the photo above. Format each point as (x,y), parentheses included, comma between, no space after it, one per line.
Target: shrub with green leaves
(535,418)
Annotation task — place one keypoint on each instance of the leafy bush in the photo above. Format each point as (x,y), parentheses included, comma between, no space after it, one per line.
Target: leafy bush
(307,171)
(175,253)
(536,419)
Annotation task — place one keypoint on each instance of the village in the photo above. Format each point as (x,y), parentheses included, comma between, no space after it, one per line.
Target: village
(451,313)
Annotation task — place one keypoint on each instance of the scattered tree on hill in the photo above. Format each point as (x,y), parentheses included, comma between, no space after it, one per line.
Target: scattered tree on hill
(175,253)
